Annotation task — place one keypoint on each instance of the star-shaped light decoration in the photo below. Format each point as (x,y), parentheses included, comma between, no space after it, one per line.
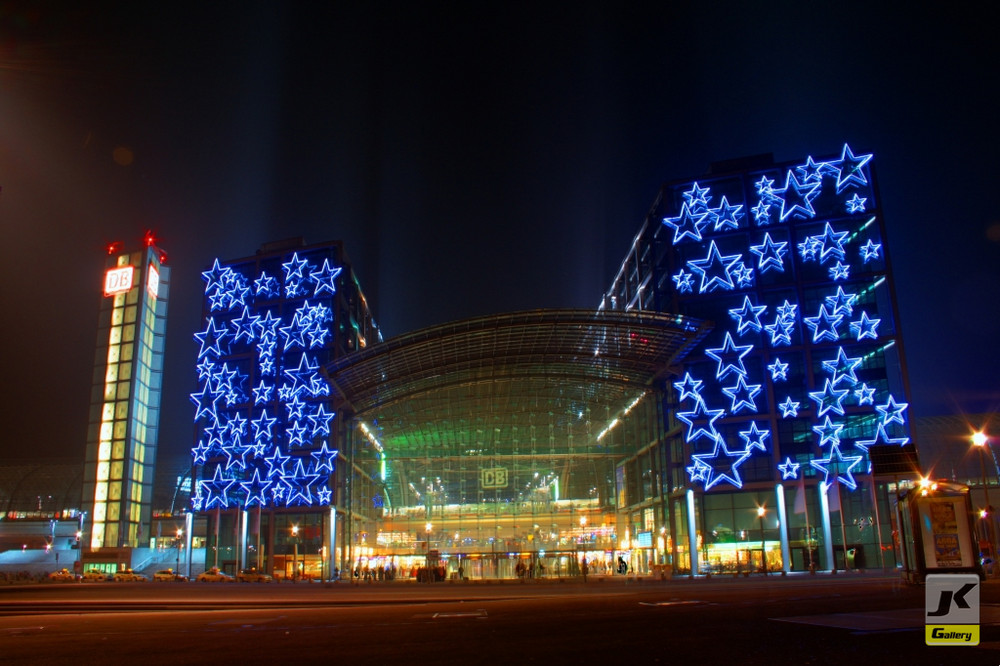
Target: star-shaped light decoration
(265,286)
(832,244)
(866,327)
(829,399)
(293,267)
(771,254)
(302,375)
(699,413)
(206,402)
(892,412)
(687,225)
(729,349)
(262,427)
(882,438)
(320,420)
(742,274)
(325,458)
(216,489)
(851,166)
(325,278)
(684,282)
(762,213)
(765,187)
(843,368)
(300,484)
(244,326)
(211,339)
(255,489)
(842,303)
(856,204)
(780,331)
(824,325)
(688,387)
(200,452)
(723,463)
(714,269)
(789,469)
(742,395)
(870,251)
(699,471)
(865,395)
(754,437)
(216,277)
(789,408)
(262,392)
(276,463)
(748,316)
(828,432)
(779,370)
(839,466)
(839,271)
(797,198)
(726,216)
(296,434)
(324,495)
(697,197)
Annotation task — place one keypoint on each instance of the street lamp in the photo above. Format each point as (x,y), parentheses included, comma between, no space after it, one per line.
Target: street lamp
(295,555)
(980,441)
(761,512)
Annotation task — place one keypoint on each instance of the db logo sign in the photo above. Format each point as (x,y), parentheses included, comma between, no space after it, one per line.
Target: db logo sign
(117,280)
(494,477)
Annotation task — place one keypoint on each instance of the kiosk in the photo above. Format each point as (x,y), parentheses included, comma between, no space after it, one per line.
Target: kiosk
(936,531)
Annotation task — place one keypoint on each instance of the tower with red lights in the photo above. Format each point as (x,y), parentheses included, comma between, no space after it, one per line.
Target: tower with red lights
(125,397)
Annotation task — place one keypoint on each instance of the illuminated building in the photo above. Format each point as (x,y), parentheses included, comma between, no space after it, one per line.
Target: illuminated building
(800,380)
(125,398)
(266,433)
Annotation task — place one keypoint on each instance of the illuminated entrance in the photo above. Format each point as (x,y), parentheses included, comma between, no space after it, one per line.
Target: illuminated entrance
(493,447)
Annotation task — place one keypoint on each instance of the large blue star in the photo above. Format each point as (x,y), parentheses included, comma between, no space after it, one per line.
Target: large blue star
(754,437)
(842,368)
(724,464)
(892,412)
(262,393)
(262,427)
(851,166)
(748,316)
(770,254)
(686,225)
(216,277)
(842,303)
(325,458)
(325,278)
(211,339)
(244,326)
(829,399)
(728,349)
(697,197)
(714,269)
(726,216)
(828,432)
(296,434)
(797,198)
(206,401)
(302,376)
(742,395)
(299,483)
(293,268)
(216,489)
(276,463)
(320,420)
(866,327)
(824,325)
(255,489)
(700,412)
(265,286)
(200,452)
(832,244)
(688,387)
(839,465)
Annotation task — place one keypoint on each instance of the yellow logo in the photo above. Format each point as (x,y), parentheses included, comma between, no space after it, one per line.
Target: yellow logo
(951,634)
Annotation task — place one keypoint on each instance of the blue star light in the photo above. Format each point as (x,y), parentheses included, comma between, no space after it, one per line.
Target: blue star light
(842,368)
(841,303)
(856,204)
(797,198)
(325,458)
(789,408)
(216,489)
(747,317)
(881,438)
(688,387)
(839,271)
(870,251)
(728,349)
(754,437)
(828,432)
(742,395)
(265,286)
(723,464)
(762,213)
(701,412)
(779,370)
(865,327)
(770,254)
(697,197)
(851,169)
(726,216)
(293,268)
(262,427)
(838,465)
(892,412)
(789,469)
(211,339)
(829,399)
(684,282)
(714,269)
(865,395)
(687,225)
(255,489)
(324,278)
(824,325)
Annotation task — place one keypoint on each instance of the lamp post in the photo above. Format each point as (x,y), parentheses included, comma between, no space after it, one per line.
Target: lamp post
(295,555)
(180,544)
(761,511)
(980,441)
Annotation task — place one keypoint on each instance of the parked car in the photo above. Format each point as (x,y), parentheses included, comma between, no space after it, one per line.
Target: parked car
(96,575)
(170,576)
(214,575)
(129,576)
(253,576)
(63,576)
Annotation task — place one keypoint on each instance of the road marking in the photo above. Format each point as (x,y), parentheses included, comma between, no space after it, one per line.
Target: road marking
(669,603)
(479,613)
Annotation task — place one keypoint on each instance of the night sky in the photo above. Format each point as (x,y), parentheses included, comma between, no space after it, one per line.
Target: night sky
(475,158)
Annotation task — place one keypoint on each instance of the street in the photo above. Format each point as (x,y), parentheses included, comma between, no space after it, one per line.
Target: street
(844,619)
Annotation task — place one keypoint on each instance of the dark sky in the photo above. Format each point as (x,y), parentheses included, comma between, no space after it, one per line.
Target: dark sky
(474,157)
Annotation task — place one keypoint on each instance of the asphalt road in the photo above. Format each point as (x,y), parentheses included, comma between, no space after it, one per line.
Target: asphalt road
(845,619)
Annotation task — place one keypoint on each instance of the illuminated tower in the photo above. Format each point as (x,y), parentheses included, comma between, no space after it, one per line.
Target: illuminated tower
(125,398)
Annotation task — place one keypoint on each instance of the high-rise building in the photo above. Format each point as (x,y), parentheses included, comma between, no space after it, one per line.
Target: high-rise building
(773,421)
(266,443)
(125,398)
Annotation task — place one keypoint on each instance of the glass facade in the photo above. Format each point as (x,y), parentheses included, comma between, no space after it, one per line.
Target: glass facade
(125,399)
(769,422)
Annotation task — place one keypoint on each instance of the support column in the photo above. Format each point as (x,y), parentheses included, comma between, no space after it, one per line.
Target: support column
(824,510)
(786,555)
(692,533)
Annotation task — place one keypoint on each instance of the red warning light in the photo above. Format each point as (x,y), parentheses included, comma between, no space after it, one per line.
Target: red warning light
(114,246)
